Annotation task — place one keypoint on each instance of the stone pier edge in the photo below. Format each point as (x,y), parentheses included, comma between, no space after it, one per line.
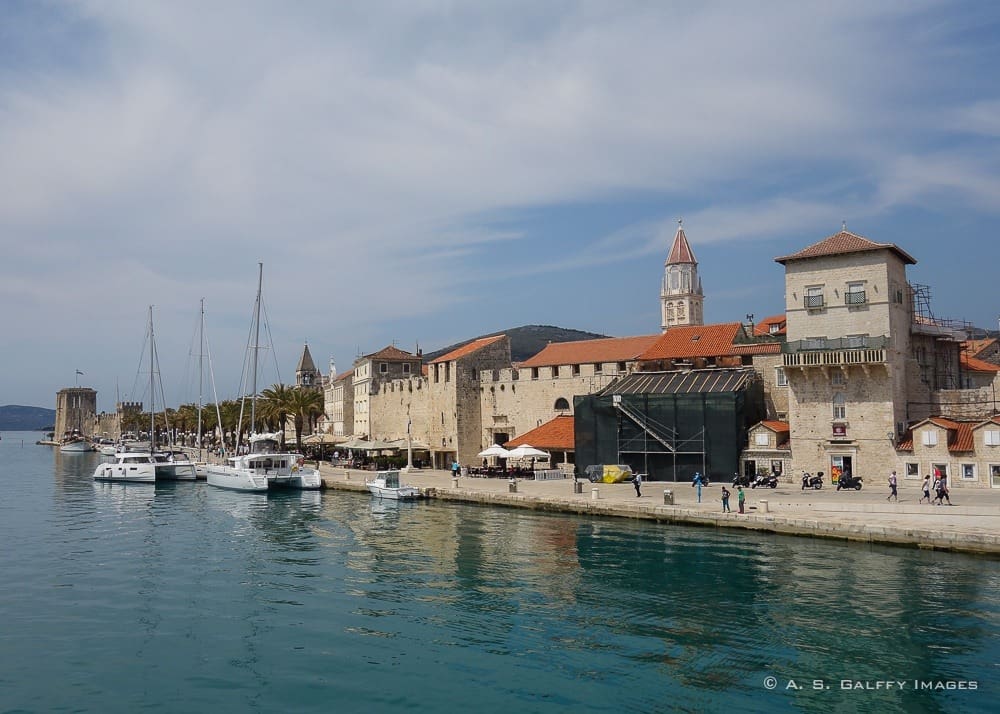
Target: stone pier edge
(979,544)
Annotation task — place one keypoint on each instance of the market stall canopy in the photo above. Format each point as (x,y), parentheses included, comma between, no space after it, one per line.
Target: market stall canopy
(362,445)
(495,450)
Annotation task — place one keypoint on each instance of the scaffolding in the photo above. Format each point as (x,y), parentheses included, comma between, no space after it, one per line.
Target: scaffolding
(662,434)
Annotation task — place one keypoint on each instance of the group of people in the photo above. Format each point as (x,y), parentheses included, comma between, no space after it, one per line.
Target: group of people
(741,499)
(939,487)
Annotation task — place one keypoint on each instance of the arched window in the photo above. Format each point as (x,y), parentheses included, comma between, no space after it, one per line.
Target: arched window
(562,405)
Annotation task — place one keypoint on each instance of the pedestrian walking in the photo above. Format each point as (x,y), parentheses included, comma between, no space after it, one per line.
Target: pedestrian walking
(697,483)
(740,497)
(637,482)
(892,488)
(725,500)
(927,489)
(942,492)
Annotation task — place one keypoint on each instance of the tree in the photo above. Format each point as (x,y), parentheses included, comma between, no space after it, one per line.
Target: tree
(275,407)
(306,406)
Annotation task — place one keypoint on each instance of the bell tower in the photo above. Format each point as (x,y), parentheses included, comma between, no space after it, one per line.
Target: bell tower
(681,298)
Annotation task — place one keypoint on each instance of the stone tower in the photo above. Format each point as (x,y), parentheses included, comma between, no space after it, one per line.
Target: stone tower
(306,374)
(76,409)
(681,298)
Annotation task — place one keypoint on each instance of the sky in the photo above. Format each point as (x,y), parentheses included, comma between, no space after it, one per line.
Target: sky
(422,172)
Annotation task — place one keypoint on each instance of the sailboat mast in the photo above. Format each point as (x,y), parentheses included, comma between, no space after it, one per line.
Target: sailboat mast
(152,394)
(256,347)
(201,370)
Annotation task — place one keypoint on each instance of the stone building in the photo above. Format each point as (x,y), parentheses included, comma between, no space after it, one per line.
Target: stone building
(681,297)
(76,410)
(370,372)
(517,399)
(768,449)
(860,363)
(306,374)
(338,403)
(966,452)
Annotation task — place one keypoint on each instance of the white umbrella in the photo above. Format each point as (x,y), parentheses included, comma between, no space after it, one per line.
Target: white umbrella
(526,451)
(495,450)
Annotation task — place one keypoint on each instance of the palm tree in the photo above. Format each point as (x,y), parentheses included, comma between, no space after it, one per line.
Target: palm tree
(306,406)
(275,407)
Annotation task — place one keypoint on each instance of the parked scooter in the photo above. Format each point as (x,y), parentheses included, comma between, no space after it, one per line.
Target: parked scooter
(765,481)
(742,480)
(848,480)
(810,481)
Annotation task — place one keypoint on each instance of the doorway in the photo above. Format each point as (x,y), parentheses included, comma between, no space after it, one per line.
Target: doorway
(839,463)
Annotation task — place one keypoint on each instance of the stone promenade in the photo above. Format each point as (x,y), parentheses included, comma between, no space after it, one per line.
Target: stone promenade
(970,524)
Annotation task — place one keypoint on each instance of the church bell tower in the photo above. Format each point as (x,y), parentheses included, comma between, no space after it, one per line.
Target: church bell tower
(681,298)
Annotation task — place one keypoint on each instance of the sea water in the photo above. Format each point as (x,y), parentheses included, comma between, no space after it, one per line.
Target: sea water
(186,598)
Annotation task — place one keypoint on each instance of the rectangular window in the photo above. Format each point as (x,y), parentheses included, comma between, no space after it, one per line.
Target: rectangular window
(930,438)
(761,439)
(383,367)
(814,298)
(969,472)
(912,470)
(995,475)
(780,379)
(855,294)
(598,367)
(992,437)
(837,378)
(621,368)
(839,407)
(534,372)
(406,367)
(940,470)
(576,370)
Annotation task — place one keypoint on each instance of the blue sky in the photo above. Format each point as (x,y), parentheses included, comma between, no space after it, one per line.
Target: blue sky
(424,172)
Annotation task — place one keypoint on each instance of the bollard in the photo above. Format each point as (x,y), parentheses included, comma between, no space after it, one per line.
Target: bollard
(595,494)
(454,483)
(577,487)
(512,486)
(763,506)
(668,498)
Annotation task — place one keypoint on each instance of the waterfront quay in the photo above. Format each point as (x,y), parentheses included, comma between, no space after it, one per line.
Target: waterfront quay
(971,524)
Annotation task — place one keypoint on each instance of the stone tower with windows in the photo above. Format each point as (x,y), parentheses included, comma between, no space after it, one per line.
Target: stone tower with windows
(306,374)
(681,297)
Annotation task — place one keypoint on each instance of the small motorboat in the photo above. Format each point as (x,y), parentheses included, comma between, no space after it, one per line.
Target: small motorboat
(386,485)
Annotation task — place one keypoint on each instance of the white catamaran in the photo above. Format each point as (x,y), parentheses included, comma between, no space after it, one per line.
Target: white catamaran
(265,466)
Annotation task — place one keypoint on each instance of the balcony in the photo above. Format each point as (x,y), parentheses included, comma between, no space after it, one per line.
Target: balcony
(855,297)
(839,352)
(813,302)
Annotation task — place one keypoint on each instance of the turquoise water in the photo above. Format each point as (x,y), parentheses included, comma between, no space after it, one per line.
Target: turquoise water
(184,598)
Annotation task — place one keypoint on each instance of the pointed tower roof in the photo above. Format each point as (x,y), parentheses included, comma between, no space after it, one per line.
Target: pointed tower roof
(680,251)
(306,363)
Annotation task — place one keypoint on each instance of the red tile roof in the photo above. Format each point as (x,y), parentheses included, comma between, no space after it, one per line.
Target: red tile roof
(775,425)
(975,347)
(845,242)
(552,435)
(343,375)
(686,341)
(974,364)
(959,432)
(680,251)
(468,349)
(764,326)
(392,354)
(758,348)
(610,349)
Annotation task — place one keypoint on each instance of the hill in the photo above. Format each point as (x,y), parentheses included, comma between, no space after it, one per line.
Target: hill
(525,341)
(14,417)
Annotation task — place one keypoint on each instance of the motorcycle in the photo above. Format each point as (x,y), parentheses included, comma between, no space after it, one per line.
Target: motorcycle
(809,481)
(849,481)
(743,480)
(765,481)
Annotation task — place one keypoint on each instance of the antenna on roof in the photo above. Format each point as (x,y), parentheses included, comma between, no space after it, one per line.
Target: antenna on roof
(680,223)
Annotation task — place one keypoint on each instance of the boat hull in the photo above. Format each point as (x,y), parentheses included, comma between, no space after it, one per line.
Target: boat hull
(235,479)
(403,493)
(76,447)
(126,473)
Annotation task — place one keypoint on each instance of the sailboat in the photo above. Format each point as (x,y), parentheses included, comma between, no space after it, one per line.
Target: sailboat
(147,466)
(201,464)
(265,467)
